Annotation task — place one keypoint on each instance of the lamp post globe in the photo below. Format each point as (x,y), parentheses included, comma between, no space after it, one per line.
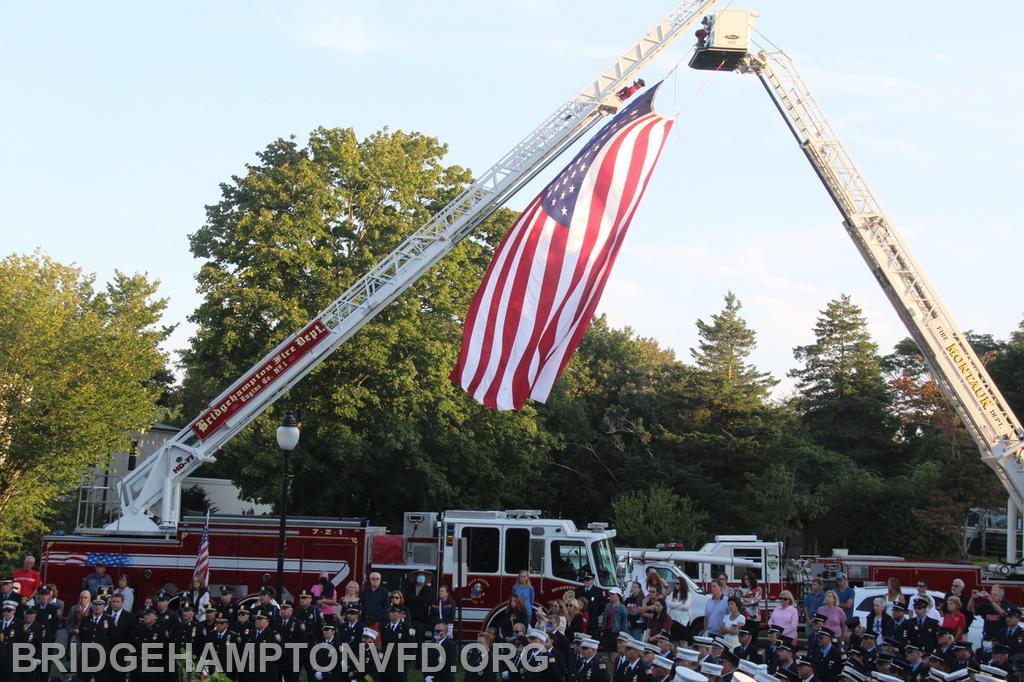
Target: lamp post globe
(287,439)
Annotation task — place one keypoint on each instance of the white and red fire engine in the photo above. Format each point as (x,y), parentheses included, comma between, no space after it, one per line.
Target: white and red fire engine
(477,554)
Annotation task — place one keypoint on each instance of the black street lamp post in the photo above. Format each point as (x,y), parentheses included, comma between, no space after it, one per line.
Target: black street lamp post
(287,439)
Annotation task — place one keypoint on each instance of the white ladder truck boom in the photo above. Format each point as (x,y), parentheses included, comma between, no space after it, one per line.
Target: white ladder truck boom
(156,484)
(953,363)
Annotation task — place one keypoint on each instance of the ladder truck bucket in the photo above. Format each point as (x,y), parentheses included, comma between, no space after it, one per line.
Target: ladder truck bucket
(723,41)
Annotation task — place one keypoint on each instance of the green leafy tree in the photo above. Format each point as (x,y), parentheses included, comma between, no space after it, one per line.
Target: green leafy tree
(77,369)
(383,428)
(727,384)
(842,394)
(656,514)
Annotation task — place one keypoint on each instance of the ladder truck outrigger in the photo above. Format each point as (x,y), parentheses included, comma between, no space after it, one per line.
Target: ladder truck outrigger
(724,45)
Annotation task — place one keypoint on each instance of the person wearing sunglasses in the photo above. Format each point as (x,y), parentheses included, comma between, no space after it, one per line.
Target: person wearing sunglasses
(786,616)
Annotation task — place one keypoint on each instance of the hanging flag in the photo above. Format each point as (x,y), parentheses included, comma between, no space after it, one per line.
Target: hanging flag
(547,275)
(203,556)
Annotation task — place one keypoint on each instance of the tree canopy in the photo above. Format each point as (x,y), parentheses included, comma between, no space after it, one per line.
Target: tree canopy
(79,371)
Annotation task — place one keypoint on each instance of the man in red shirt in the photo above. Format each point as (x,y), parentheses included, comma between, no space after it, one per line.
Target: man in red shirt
(28,577)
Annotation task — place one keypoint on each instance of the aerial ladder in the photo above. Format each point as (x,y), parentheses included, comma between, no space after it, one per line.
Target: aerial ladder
(154,487)
(723,44)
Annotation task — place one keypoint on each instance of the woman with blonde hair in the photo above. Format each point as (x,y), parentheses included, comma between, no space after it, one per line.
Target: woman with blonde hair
(835,617)
(786,615)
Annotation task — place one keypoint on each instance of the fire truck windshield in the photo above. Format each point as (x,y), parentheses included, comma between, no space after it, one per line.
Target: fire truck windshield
(604,559)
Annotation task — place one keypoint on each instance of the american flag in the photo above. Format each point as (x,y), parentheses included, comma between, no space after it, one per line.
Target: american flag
(109,560)
(547,275)
(203,556)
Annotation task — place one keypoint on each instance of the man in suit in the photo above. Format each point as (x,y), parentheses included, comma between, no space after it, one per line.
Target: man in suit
(219,638)
(634,670)
(292,631)
(122,629)
(730,662)
(922,631)
(446,659)
(48,615)
(919,669)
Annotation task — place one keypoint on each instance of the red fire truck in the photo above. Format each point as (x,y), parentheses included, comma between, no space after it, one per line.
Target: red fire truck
(477,554)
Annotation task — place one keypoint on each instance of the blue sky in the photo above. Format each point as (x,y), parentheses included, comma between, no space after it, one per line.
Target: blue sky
(121,119)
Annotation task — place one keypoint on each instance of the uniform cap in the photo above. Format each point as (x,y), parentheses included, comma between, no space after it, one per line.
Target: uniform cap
(634,644)
(826,632)
(651,648)
(703,639)
(912,647)
(588,643)
(684,674)
(731,657)
(534,633)
(803,660)
(957,674)
(371,633)
(220,619)
(162,596)
(774,629)
(243,611)
(328,626)
(210,609)
(287,604)
(852,673)
(43,590)
(899,605)
(1000,649)
(742,677)
(267,592)
(751,668)
(869,634)
(305,593)
(882,677)
(95,602)
(921,604)
(8,604)
(261,616)
(818,618)
(962,646)
(663,662)
(227,589)
(712,669)
(744,631)
(352,609)
(688,655)
(624,637)
(994,671)
(786,676)
(187,607)
(149,611)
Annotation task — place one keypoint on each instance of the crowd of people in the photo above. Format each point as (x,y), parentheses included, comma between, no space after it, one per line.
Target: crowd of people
(594,635)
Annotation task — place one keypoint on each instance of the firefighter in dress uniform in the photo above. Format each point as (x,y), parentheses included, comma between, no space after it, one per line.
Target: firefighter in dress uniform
(548,663)
(243,625)
(96,628)
(188,634)
(618,673)
(226,605)
(263,638)
(827,658)
(267,606)
(33,633)
(920,630)
(747,650)
(396,632)
(48,613)
(10,626)
(151,633)
(919,669)
(219,639)
(311,616)
(323,666)
(369,672)
(292,631)
(634,666)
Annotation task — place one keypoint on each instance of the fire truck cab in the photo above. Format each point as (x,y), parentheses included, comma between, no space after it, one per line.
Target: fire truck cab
(478,555)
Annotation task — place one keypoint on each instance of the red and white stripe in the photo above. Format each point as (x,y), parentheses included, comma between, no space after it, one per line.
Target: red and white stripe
(544,282)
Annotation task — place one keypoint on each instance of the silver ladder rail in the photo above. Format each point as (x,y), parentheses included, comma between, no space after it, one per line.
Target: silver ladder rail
(158,478)
(959,373)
